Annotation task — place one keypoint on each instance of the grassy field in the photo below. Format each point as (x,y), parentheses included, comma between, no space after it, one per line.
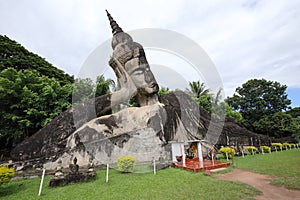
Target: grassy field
(285,166)
(166,184)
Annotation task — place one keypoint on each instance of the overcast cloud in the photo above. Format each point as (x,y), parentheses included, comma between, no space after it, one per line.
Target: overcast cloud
(245,39)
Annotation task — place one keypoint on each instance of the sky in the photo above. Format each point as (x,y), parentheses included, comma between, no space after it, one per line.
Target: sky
(244,39)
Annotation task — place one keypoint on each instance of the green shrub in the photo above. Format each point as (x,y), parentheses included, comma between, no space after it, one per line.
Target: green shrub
(126,163)
(6,174)
(249,149)
(266,149)
(286,145)
(229,150)
(293,146)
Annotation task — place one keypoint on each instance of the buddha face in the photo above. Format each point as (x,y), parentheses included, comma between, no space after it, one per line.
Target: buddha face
(143,78)
(132,56)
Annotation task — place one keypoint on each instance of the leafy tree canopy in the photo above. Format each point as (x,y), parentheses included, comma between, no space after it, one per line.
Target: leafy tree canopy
(14,55)
(232,114)
(258,98)
(294,112)
(278,125)
(33,91)
(163,90)
(296,135)
(201,94)
(28,101)
(103,85)
(85,88)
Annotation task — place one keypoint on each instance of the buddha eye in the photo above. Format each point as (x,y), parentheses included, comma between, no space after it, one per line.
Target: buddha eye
(138,72)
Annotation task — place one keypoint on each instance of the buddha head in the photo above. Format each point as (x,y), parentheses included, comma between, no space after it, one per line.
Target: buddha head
(132,57)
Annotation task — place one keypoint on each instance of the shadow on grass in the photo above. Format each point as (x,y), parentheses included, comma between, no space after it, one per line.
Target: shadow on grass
(11,188)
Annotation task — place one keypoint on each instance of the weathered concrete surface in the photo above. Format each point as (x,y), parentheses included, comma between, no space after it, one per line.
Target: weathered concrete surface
(135,129)
(52,139)
(132,131)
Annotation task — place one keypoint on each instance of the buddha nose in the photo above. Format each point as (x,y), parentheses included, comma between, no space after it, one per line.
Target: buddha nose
(149,77)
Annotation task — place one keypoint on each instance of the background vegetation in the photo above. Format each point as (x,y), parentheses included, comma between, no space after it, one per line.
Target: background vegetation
(263,105)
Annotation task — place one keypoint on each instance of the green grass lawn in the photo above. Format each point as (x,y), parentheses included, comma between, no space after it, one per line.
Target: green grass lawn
(166,184)
(284,165)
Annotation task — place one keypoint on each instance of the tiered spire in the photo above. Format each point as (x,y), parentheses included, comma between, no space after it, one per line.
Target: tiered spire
(114,26)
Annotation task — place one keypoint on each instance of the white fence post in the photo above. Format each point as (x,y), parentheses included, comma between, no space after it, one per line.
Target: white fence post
(107,169)
(41,184)
(154,167)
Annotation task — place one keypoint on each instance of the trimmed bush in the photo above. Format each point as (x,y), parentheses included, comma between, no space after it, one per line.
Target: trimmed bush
(250,148)
(286,145)
(229,150)
(126,163)
(6,174)
(276,146)
(266,149)
(293,146)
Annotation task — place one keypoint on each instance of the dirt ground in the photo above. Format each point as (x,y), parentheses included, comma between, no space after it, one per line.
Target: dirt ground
(262,183)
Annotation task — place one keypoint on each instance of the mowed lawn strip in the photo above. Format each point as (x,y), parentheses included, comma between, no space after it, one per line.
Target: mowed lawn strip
(166,184)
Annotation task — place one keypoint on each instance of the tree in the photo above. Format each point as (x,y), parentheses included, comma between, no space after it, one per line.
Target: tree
(163,90)
(83,90)
(28,101)
(296,135)
(278,125)
(103,85)
(294,112)
(198,89)
(205,101)
(201,95)
(258,98)
(234,115)
(14,55)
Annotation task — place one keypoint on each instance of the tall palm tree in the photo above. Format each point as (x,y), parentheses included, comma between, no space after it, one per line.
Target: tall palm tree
(103,85)
(198,89)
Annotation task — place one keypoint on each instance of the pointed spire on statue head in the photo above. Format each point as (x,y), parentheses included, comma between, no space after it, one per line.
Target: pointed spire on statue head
(114,26)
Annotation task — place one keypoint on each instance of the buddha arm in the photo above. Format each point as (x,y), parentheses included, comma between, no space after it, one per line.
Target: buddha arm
(127,87)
